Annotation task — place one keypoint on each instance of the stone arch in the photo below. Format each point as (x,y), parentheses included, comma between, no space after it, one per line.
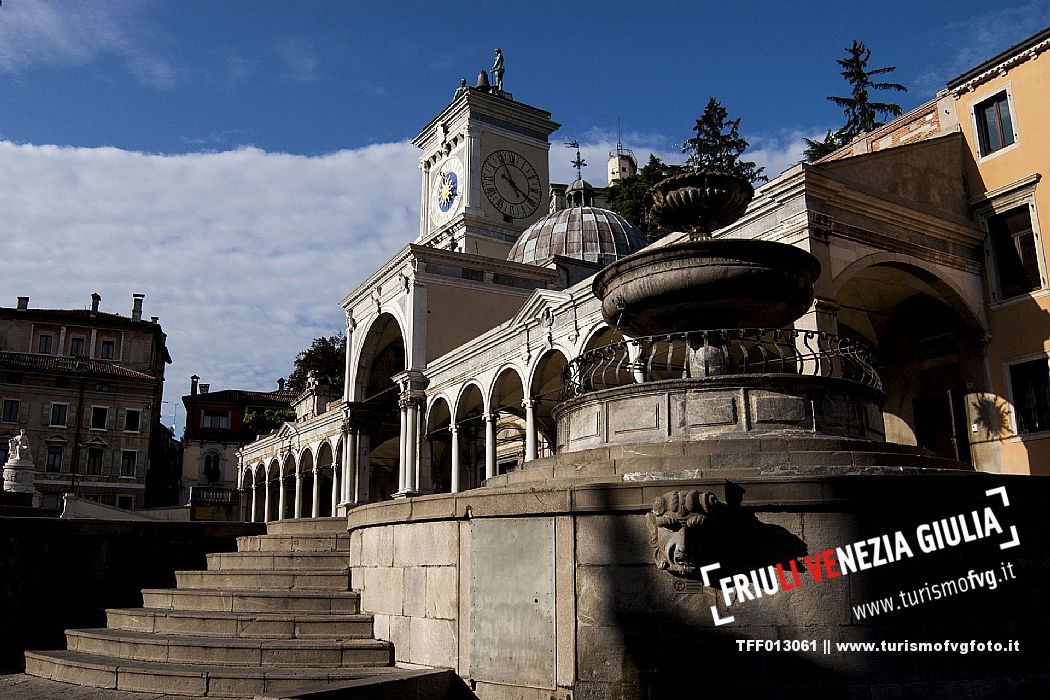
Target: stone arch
(928,338)
(439,437)
(382,354)
(545,386)
(289,467)
(505,399)
(305,469)
(273,485)
(469,411)
(325,477)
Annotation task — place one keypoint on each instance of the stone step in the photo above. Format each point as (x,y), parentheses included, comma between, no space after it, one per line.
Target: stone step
(191,680)
(249,625)
(226,651)
(254,579)
(307,526)
(294,543)
(404,684)
(260,601)
(278,561)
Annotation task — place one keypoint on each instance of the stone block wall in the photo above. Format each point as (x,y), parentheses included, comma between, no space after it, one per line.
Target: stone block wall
(409,577)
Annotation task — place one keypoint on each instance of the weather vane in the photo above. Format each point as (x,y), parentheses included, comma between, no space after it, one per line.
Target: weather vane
(579,163)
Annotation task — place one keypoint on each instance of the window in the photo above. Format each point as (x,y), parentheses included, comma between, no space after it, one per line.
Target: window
(54,458)
(94,460)
(1014,252)
(99,414)
(44,344)
(126,502)
(101,386)
(5,449)
(215,419)
(58,414)
(212,469)
(11,408)
(131,421)
(76,346)
(995,128)
(108,346)
(1030,389)
(127,463)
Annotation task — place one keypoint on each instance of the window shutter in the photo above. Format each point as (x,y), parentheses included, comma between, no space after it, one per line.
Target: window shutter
(111,416)
(140,466)
(71,415)
(23,413)
(120,418)
(107,467)
(86,418)
(42,464)
(45,415)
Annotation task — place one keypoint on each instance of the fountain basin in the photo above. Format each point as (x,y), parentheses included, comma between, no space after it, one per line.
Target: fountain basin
(707,283)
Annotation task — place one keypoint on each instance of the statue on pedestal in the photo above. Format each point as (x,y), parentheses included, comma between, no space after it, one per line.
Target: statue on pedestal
(497,71)
(19,471)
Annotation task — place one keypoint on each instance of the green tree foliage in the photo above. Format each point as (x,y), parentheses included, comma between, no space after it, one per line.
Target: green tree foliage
(718,145)
(862,114)
(327,356)
(269,420)
(627,197)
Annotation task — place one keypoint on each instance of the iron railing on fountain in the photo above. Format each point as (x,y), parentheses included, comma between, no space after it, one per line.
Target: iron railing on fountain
(720,353)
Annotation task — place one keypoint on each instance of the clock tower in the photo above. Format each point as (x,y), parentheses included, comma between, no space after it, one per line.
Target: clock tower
(485,175)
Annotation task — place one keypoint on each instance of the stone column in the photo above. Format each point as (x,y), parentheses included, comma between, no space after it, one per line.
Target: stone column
(362,470)
(350,467)
(455,457)
(255,493)
(280,493)
(266,500)
(411,448)
(529,405)
(315,496)
(335,488)
(347,375)
(490,444)
(402,479)
(297,512)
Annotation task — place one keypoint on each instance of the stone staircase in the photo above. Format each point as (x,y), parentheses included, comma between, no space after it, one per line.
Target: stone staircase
(276,615)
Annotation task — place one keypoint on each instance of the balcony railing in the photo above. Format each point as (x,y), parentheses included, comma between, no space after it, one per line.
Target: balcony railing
(720,353)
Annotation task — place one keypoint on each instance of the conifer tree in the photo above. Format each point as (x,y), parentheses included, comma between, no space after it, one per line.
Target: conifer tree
(862,114)
(718,145)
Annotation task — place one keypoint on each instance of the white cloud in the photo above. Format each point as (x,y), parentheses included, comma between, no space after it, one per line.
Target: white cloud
(58,35)
(244,255)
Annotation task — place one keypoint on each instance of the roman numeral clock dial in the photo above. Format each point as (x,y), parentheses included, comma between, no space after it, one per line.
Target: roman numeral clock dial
(511,184)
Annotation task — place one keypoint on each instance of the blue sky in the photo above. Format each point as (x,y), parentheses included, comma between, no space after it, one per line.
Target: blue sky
(245,164)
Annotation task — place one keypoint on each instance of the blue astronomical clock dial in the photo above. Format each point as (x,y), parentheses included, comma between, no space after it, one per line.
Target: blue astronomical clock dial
(447,191)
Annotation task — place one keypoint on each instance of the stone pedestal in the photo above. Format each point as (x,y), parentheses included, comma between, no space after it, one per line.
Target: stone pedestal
(18,478)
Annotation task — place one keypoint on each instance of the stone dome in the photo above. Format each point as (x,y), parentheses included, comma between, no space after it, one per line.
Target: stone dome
(585,233)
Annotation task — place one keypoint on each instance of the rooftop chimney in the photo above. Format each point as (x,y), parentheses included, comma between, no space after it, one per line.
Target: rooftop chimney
(154,319)
(96,298)
(204,388)
(280,384)
(136,306)
(193,384)
(23,303)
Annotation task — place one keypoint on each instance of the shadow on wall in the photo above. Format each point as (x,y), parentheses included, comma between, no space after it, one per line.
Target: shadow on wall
(59,574)
(639,638)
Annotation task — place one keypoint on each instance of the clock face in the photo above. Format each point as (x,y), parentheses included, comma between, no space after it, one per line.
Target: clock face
(447,191)
(511,184)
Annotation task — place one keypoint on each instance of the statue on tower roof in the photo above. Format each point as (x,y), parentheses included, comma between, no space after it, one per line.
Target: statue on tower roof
(497,71)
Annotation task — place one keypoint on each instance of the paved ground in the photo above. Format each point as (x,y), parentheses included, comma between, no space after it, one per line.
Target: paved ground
(19,686)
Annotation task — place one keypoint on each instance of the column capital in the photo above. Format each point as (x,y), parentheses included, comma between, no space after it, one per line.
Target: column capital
(530,402)
(453,428)
(492,417)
